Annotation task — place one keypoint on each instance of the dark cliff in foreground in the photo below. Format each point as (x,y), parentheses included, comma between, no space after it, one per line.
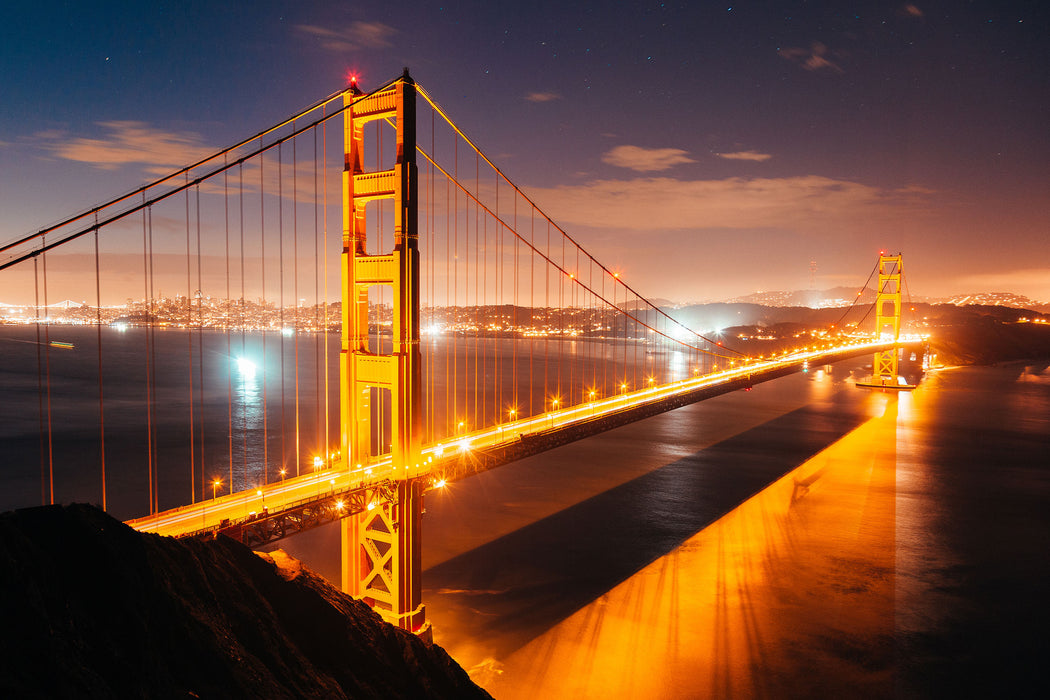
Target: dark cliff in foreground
(89,608)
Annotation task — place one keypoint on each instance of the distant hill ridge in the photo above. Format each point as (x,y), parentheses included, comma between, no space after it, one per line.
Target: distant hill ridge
(842,296)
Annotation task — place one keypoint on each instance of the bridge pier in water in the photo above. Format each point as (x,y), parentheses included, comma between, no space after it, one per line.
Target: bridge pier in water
(886,364)
(381,546)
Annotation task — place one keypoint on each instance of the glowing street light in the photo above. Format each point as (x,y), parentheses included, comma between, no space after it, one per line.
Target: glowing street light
(215,488)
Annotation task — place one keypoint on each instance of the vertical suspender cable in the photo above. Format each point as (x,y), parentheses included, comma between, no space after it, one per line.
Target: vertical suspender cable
(244,323)
(148,309)
(478,420)
(152,331)
(318,331)
(47,375)
(200,337)
(189,341)
(428,286)
(324,230)
(265,315)
(532,295)
(40,381)
(547,315)
(229,340)
(497,346)
(280,269)
(101,405)
(295,287)
(514,304)
(431,299)
(450,389)
(454,192)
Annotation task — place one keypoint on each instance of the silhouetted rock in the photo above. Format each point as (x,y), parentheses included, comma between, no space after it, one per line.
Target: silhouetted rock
(91,609)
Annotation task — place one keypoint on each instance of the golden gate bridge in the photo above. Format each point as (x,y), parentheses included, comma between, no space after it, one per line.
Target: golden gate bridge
(473,331)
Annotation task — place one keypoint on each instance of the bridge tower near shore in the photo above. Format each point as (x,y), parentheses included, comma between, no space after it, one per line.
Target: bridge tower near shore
(381,552)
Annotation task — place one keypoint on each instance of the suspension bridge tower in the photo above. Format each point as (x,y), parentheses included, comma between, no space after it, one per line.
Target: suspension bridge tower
(885,366)
(381,552)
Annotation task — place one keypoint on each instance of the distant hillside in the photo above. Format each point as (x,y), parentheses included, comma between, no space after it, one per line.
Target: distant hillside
(973,334)
(813,298)
(843,296)
(985,334)
(712,317)
(1016,301)
(91,608)
(635,305)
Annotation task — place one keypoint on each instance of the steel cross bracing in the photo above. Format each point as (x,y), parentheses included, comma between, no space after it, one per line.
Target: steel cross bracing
(888,316)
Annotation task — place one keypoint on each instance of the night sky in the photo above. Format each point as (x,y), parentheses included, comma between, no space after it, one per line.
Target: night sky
(707,150)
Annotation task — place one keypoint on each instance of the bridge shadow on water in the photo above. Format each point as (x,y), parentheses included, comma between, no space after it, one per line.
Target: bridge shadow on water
(497,597)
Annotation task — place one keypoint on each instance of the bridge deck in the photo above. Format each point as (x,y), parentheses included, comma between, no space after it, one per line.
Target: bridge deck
(275,510)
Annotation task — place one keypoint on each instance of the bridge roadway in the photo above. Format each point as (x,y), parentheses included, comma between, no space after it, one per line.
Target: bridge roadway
(272,511)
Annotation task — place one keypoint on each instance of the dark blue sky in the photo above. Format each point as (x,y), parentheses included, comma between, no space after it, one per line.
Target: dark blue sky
(708,149)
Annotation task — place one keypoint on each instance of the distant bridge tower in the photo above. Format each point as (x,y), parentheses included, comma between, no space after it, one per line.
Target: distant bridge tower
(888,318)
(381,561)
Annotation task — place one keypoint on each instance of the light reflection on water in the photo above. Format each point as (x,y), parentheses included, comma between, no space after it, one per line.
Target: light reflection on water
(904,559)
(248,416)
(806,566)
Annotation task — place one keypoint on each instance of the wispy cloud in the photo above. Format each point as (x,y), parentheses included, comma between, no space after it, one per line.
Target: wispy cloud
(801,203)
(815,58)
(127,143)
(542,96)
(912,11)
(745,155)
(646,160)
(356,36)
